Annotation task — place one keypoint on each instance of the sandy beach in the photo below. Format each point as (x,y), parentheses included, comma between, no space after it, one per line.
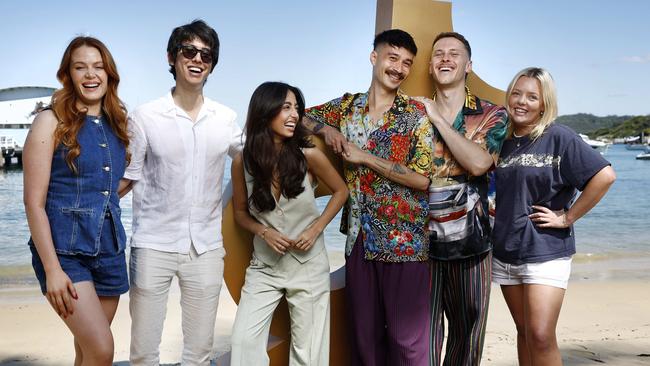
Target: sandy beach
(605,320)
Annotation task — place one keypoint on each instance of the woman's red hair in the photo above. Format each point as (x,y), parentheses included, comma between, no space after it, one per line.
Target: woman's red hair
(64,102)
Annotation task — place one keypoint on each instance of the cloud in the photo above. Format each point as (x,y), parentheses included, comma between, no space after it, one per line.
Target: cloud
(637,59)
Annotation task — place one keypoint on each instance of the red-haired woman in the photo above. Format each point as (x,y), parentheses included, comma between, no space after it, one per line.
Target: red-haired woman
(74,157)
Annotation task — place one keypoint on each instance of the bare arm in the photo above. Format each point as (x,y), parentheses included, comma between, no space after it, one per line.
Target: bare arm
(276,240)
(37,159)
(333,138)
(124,187)
(396,172)
(592,194)
(326,173)
(472,157)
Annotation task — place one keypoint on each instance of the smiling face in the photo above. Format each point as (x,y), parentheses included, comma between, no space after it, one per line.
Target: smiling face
(191,72)
(89,78)
(525,104)
(284,123)
(449,62)
(391,65)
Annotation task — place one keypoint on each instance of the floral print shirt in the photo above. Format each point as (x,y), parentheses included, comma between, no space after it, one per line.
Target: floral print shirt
(391,217)
(480,121)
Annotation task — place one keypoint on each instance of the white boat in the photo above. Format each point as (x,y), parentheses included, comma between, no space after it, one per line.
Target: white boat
(636,143)
(595,144)
(643,156)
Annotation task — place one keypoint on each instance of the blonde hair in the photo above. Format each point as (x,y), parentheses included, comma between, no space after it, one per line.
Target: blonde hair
(549,98)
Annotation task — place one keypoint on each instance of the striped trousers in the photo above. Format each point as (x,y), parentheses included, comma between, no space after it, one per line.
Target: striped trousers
(460,291)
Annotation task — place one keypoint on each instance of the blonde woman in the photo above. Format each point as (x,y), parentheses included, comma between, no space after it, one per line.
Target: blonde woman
(541,167)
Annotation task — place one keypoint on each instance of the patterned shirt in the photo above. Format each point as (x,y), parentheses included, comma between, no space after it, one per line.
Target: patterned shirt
(480,121)
(391,217)
(486,125)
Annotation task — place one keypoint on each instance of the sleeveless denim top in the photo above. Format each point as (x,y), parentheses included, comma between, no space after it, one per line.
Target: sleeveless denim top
(290,217)
(77,204)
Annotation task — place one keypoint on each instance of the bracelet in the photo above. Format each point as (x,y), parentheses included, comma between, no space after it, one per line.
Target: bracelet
(264,232)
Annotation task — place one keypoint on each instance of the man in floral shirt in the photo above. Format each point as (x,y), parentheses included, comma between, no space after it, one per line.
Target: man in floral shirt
(469,135)
(385,140)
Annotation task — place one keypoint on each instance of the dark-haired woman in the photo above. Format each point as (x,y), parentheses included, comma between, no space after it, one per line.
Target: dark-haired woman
(273,193)
(74,157)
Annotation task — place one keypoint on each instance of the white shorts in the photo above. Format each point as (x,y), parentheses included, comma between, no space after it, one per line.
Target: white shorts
(553,273)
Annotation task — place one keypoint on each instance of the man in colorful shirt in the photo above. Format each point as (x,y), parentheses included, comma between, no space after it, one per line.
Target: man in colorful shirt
(385,140)
(469,135)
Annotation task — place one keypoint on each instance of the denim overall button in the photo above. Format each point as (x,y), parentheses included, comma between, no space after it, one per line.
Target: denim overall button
(107,169)
(105,193)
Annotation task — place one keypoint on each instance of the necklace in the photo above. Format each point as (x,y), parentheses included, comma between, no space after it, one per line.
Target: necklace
(518,138)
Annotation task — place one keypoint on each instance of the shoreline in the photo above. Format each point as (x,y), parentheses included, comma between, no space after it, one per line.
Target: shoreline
(605,319)
(608,265)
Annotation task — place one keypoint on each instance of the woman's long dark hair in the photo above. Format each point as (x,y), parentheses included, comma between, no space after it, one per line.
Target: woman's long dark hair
(262,158)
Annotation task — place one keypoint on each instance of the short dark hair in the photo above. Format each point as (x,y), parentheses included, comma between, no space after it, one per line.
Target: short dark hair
(185,33)
(458,36)
(396,38)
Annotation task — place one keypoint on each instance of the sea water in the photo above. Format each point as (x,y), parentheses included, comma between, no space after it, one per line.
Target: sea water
(616,228)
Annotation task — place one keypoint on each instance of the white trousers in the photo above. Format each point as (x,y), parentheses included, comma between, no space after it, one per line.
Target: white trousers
(199,278)
(307,288)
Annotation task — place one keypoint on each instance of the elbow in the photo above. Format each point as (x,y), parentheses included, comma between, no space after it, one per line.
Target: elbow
(341,195)
(423,185)
(31,203)
(609,176)
(345,192)
(239,219)
(480,168)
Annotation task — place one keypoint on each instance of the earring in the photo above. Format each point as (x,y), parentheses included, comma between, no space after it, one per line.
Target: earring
(541,113)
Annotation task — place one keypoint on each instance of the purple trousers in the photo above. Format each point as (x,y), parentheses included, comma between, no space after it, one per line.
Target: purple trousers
(388,306)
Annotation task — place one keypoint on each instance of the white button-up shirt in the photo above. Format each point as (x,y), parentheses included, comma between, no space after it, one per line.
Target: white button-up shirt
(177,166)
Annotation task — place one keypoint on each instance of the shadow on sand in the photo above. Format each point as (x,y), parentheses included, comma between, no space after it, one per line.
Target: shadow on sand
(605,352)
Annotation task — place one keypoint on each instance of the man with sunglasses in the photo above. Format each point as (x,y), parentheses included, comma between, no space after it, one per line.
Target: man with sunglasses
(179,145)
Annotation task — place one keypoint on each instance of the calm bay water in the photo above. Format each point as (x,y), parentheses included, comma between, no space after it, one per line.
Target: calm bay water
(617,227)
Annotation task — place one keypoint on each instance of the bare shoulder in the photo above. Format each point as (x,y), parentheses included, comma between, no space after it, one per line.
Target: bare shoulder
(43,127)
(45,120)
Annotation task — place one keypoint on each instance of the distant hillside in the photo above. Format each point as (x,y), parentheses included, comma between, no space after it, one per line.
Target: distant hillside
(632,127)
(588,123)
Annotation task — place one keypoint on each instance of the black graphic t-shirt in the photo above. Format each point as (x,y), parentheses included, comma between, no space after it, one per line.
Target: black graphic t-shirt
(545,172)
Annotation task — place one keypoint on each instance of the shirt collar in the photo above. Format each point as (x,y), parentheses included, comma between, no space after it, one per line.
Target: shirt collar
(172,108)
(472,103)
(400,102)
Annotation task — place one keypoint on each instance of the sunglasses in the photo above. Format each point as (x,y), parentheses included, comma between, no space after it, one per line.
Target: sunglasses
(188,51)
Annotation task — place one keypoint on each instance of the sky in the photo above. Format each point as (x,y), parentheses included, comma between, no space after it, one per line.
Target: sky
(597,51)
